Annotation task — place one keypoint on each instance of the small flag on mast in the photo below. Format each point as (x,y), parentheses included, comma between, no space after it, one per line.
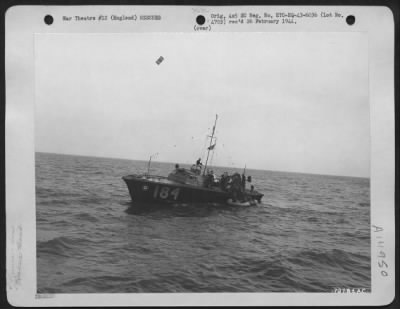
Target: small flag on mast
(211,147)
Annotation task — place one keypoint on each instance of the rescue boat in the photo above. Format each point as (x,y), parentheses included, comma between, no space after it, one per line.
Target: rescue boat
(197,184)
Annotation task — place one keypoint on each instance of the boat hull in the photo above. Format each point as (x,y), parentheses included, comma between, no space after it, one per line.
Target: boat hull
(162,190)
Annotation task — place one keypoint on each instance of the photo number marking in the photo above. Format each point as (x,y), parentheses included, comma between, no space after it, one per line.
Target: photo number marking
(380,243)
(350,290)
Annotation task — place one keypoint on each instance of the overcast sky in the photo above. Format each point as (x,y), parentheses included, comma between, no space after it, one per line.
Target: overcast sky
(286,101)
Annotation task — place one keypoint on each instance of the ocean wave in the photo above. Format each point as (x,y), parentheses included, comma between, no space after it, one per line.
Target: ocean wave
(86,217)
(62,246)
(335,258)
(357,234)
(94,279)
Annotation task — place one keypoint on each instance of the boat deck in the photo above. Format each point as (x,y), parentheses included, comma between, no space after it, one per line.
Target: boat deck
(152,178)
(165,180)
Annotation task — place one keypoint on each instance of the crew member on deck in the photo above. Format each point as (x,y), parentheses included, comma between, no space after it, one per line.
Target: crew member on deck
(210,178)
(198,162)
(223,181)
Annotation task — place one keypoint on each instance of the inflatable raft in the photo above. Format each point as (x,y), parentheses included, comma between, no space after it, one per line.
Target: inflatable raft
(243,204)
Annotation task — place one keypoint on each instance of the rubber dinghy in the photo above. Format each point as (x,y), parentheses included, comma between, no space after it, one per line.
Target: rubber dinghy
(241,204)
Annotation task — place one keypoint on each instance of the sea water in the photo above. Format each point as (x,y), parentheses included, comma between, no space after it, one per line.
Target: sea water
(310,233)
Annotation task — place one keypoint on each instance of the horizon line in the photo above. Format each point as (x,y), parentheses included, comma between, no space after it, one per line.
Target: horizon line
(218,166)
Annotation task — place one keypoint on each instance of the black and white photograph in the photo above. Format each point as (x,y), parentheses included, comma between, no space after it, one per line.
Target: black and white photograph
(204,161)
(235,163)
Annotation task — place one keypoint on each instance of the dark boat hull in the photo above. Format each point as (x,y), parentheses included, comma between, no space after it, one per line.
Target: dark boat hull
(158,189)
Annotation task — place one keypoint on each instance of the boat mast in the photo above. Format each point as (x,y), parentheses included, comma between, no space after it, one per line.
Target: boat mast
(149,163)
(211,145)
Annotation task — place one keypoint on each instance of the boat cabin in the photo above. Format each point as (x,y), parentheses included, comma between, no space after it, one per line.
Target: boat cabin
(188,177)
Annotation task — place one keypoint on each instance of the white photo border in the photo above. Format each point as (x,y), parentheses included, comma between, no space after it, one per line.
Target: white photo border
(23,22)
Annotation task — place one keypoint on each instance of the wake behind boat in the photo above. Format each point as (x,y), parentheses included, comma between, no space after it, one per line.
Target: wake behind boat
(195,185)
